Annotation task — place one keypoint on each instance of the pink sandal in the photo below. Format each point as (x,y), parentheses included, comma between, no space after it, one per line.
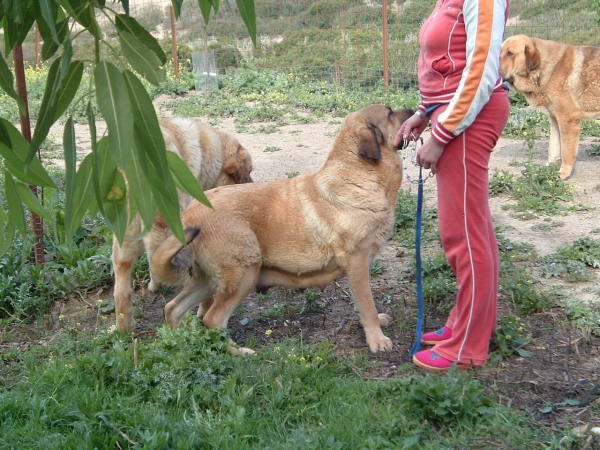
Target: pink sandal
(430,360)
(433,337)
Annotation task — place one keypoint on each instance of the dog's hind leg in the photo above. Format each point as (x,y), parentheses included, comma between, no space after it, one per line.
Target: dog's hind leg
(554,144)
(124,259)
(239,283)
(196,291)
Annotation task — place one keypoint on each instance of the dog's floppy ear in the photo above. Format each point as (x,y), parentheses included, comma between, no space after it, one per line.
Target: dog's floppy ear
(369,140)
(532,58)
(237,168)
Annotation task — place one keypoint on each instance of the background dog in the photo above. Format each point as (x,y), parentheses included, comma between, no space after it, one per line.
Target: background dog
(561,80)
(296,233)
(216,158)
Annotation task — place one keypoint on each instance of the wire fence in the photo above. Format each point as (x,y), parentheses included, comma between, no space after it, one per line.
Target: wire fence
(340,41)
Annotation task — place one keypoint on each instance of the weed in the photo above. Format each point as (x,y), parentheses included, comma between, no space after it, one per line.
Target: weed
(377,268)
(292,174)
(547,225)
(586,317)
(405,221)
(274,312)
(438,278)
(594,150)
(510,337)
(572,261)
(539,191)
(501,181)
(271,149)
(448,400)
(312,302)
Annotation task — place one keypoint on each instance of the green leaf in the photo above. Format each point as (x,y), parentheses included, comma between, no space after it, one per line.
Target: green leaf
(60,91)
(31,200)
(185,179)
(17,24)
(176,7)
(80,199)
(15,155)
(115,207)
(171,214)
(60,27)
(141,58)
(83,12)
(139,194)
(148,134)
(70,151)
(206,6)
(246,8)
(524,353)
(69,86)
(16,213)
(7,85)
(105,172)
(113,102)
(7,232)
(124,23)
(47,112)
(49,10)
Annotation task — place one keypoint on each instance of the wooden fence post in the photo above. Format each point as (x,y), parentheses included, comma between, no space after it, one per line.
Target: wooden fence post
(174,41)
(386,74)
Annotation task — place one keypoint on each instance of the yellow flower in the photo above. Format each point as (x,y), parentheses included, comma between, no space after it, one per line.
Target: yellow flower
(268,332)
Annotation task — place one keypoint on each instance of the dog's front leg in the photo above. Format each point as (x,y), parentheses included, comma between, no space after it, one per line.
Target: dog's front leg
(124,259)
(569,144)
(360,284)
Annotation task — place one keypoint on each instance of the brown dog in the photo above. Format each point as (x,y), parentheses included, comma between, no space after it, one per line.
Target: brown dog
(561,80)
(296,233)
(216,158)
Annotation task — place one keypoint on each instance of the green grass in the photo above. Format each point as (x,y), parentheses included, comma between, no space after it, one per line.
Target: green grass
(185,391)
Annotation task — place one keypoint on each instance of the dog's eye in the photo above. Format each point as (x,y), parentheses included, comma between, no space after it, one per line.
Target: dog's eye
(510,54)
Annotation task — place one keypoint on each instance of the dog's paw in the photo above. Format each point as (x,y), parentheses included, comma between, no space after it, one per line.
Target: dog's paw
(241,351)
(153,285)
(565,172)
(382,344)
(384,319)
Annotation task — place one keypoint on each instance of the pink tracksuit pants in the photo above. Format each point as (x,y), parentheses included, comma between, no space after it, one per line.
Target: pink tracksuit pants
(467,232)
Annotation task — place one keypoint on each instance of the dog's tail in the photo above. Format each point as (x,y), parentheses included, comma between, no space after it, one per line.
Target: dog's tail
(172,262)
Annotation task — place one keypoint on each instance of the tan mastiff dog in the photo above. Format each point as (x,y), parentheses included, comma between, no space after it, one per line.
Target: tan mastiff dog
(216,158)
(561,80)
(295,233)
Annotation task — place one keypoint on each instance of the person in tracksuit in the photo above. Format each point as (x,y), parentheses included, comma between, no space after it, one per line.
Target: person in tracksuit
(466,102)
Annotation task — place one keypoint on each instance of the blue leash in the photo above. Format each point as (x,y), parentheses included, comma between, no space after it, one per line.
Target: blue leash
(420,313)
(411,155)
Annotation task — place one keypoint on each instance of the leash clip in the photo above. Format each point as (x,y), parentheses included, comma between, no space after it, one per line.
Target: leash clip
(410,154)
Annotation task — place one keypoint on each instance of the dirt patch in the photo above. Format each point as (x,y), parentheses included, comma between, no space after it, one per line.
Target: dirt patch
(563,368)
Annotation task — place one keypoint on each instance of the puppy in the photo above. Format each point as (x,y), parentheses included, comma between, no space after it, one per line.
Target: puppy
(216,158)
(295,233)
(562,80)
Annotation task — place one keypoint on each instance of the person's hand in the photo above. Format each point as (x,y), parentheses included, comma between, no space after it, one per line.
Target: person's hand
(428,155)
(411,129)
